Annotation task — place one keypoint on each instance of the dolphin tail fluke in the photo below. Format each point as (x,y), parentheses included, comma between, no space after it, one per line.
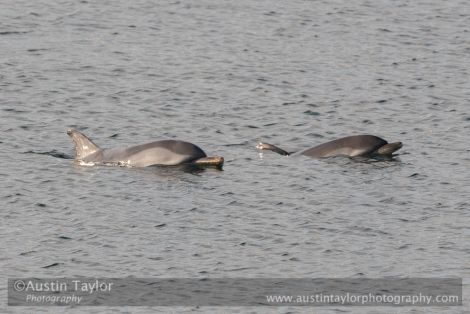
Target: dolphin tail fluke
(83,145)
(215,161)
(274,148)
(389,148)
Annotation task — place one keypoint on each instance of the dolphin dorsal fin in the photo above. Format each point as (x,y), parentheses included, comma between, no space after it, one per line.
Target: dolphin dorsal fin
(83,145)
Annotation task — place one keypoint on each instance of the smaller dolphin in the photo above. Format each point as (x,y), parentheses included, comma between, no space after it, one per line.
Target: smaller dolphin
(351,146)
(166,152)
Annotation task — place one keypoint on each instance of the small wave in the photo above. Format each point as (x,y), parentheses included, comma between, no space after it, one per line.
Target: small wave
(53,153)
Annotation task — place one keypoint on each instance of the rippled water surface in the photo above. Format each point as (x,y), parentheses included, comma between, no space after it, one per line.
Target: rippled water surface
(224,74)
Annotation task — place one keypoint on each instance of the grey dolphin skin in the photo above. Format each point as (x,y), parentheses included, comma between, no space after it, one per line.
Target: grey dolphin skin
(351,146)
(166,152)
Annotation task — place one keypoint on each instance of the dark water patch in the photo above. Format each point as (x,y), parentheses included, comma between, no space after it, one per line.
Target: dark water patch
(14,32)
(15,194)
(235,203)
(36,50)
(157,258)
(311,113)
(238,269)
(367,230)
(41,205)
(236,144)
(53,153)
(312,105)
(27,253)
(51,265)
(316,135)
(406,220)
(463,205)
(15,110)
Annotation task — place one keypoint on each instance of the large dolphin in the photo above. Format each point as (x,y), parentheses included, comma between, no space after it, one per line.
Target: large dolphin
(351,146)
(166,152)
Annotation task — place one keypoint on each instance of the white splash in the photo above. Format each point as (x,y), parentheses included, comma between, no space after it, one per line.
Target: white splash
(84,163)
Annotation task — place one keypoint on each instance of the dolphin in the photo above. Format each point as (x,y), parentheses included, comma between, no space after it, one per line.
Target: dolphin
(351,146)
(165,152)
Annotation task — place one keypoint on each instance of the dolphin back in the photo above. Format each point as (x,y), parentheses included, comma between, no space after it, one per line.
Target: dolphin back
(358,145)
(166,152)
